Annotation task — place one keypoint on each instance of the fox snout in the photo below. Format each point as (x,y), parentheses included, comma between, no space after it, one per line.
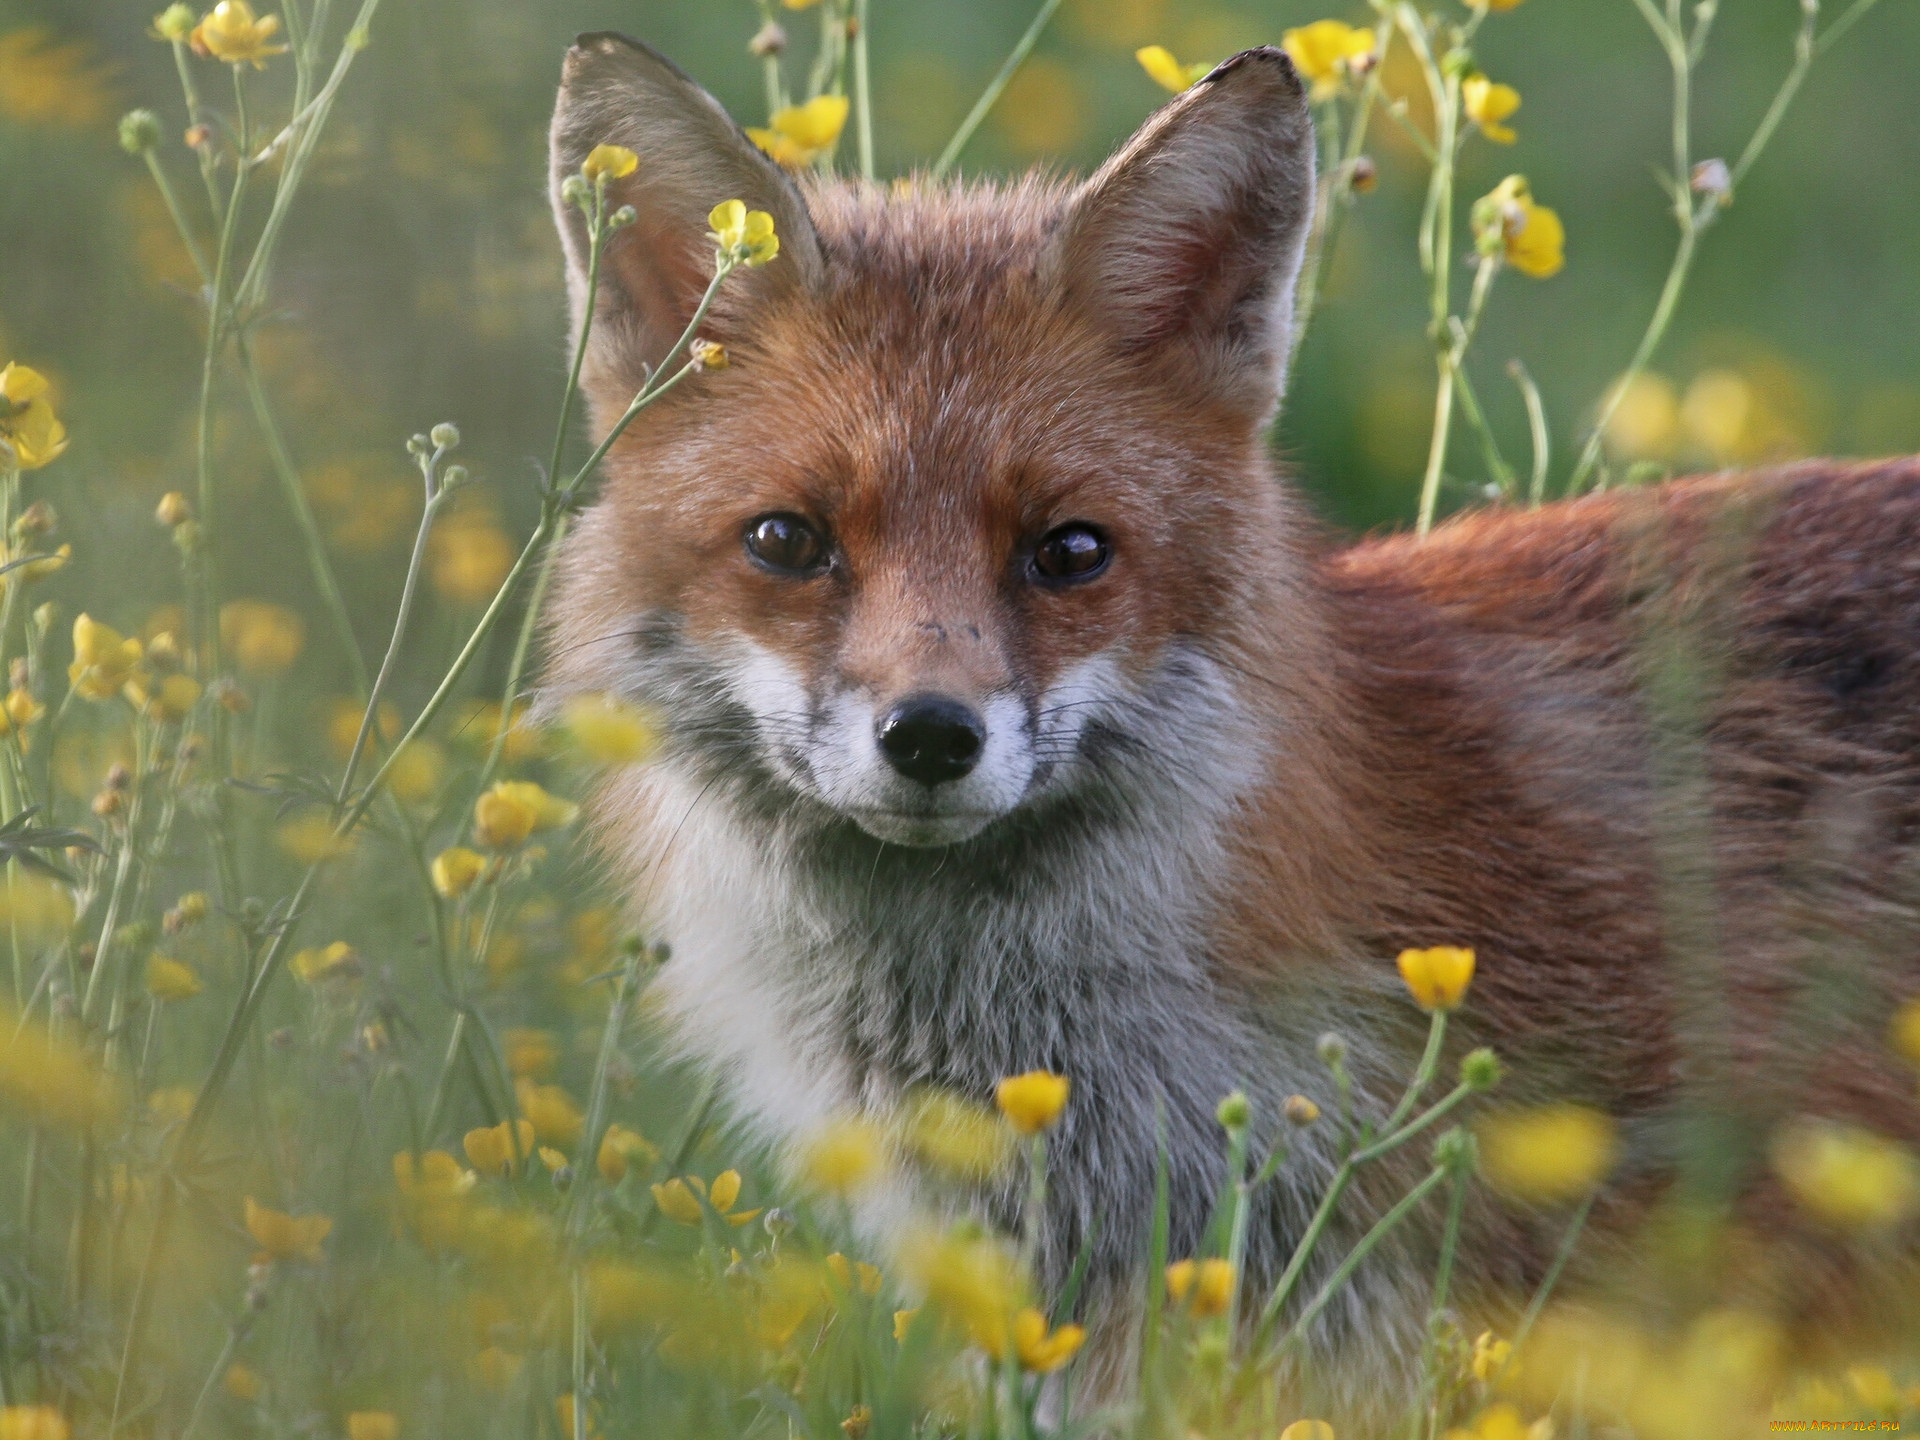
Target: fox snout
(931,739)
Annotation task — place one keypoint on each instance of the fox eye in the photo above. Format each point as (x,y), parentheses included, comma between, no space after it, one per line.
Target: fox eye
(786,543)
(1071,552)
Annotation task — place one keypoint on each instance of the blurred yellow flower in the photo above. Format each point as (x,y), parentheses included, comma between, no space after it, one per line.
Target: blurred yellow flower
(435,1175)
(796,136)
(854,1273)
(1494,4)
(417,772)
(32,1422)
(30,434)
(609,162)
(620,1148)
(799,4)
(742,233)
(372,1425)
(530,1053)
(1487,104)
(104,660)
(512,810)
(168,979)
(676,1201)
(230,33)
(556,1119)
(49,82)
(1490,1356)
(1547,1155)
(1208,1284)
(479,727)
(286,1237)
(38,907)
(310,838)
(1719,414)
(563,1412)
(1846,1176)
(1323,53)
(172,700)
(51,1078)
(337,961)
(1904,1033)
(170,1104)
(1502,1422)
(973,1278)
(1033,1101)
(1507,222)
(610,731)
(1168,72)
(497,1369)
(262,638)
(457,870)
(1040,1350)
(1645,424)
(844,1157)
(953,1134)
(1438,977)
(241,1382)
(676,1198)
(494,1149)
(1308,1430)
(469,555)
(903,1322)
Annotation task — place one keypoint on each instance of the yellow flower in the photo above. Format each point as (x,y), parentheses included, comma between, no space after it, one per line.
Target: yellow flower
(1438,978)
(609,731)
(241,1382)
(621,1147)
(170,1104)
(844,1157)
(1490,1356)
(1645,423)
(1502,1422)
(39,569)
(1032,1101)
(479,727)
(852,1273)
(456,871)
(30,434)
(1549,1155)
(310,838)
(556,1119)
(229,32)
(417,772)
(372,1425)
(609,162)
(103,660)
(286,1237)
(1849,1177)
(1039,1350)
(491,1149)
(1507,222)
(263,638)
(1323,51)
(496,1369)
(800,134)
(32,1422)
(173,699)
(1168,72)
(168,979)
(974,1278)
(799,4)
(1487,104)
(337,961)
(676,1199)
(903,1322)
(435,1176)
(1208,1282)
(51,1077)
(530,1053)
(955,1135)
(470,556)
(563,1412)
(1904,1033)
(1308,1430)
(1495,4)
(742,233)
(512,810)
(21,708)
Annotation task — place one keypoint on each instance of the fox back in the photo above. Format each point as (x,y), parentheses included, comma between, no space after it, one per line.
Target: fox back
(1017,716)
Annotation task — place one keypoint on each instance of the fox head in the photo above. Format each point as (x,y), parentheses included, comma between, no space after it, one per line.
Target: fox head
(978,514)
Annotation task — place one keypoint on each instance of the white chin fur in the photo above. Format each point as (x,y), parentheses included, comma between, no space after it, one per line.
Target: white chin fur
(924,832)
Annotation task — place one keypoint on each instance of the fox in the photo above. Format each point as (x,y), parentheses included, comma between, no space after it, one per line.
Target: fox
(1018,714)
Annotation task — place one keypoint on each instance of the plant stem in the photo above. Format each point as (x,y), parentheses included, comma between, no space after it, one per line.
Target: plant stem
(1384,1226)
(862,91)
(991,95)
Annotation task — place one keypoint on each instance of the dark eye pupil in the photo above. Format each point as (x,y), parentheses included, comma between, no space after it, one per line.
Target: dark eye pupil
(1070,551)
(785,542)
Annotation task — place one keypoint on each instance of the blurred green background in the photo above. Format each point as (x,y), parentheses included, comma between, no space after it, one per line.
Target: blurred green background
(422,280)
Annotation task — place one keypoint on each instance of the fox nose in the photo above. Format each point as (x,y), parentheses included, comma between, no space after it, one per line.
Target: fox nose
(932,739)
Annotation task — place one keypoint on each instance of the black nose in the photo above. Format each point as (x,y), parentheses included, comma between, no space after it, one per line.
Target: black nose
(932,739)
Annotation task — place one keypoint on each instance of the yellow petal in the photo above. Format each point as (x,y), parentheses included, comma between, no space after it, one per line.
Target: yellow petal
(1032,1101)
(1437,977)
(613,162)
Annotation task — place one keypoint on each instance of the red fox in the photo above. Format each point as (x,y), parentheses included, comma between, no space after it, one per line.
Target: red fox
(1019,716)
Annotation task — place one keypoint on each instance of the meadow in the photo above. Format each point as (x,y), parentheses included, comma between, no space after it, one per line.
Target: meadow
(331,1103)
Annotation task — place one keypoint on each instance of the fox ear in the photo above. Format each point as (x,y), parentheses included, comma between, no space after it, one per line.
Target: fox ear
(1191,236)
(616,91)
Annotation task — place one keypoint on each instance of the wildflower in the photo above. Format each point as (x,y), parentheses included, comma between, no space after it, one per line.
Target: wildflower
(337,961)
(286,1237)
(1849,1177)
(530,1053)
(480,727)
(173,23)
(512,810)
(1487,104)
(311,838)
(19,710)
(456,871)
(168,979)
(710,354)
(676,1199)
(563,1412)
(229,32)
(1548,1155)
(609,162)
(903,1322)
(746,235)
(1032,1101)
(1438,978)
(1495,4)
(32,1422)
(1530,237)
(241,1382)
(974,1278)
(1502,1422)
(416,771)
(496,1149)
(170,1104)
(1308,1430)
(263,639)
(172,700)
(1324,52)
(954,1135)
(103,660)
(470,556)
(609,731)
(372,1425)
(31,435)
(1299,1110)
(1042,1351)
(849,1273)
(556,1119)
(858,1422)
(1904,1033)
(798,135)
(844,1157)
(621,1147)
(1209,1283)
(1645,419)
(435,1175)
(497,1369)
(1168,72)
(1490,1356)
(173,510)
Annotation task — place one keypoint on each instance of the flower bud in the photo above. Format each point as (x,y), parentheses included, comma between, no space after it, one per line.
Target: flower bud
(186,537)
(197,135)
(575,191)
(418,445)
(1480,1069)
(1712,178)
(1332,1050)
(36,520)
(445,436)
(1456,1150)
(770,39)
(19,673)
(622,218)
(710,354)
(173,509)
(45,617)
(174,23)
(108,803)
(454,477)
(1235,1112)
(777,1222)
(1364,175)
(1458,63)
(1300,1111)
(563,1178)
(139,131)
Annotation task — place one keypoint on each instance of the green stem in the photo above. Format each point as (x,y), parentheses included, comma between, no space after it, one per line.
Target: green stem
(1537,427)
(862,92)
(1382,1228)
(1554,1271)
(991,95)
(165,186)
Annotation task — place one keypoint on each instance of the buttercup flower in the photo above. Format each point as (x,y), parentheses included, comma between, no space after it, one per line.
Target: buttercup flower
(844,1157)
(800,134)
(1487,103)
(530,1053)
(456,871)
(1904,1033)
(1502,1422)
(372,1425)
(30,433)
(609,162)
(168,979)
(745,234)
(903,1322)
(1438,978)
(286,1237)
(337,961)
(1549,1155)
(556,1119)
(676,1198)
(621,1147)
(1207,1283)
(230,32)
(1032,1101)
(32,1422)
(493,1149)
(610,731)
(241,1382)
(1323,53)
(512,810)
(1530,237)
(1849,1177)
(1168,72)
(263,638)
(1308,1430)
(1490,1356)
(104,660)
(1040,1350)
